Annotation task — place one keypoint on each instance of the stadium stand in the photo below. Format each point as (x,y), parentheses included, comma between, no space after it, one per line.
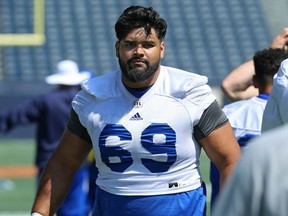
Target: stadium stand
(209,37)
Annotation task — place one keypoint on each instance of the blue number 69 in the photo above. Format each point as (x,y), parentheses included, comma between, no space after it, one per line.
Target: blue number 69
(165,148)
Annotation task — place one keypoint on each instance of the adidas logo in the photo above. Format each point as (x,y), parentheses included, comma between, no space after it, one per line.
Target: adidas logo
(136,117)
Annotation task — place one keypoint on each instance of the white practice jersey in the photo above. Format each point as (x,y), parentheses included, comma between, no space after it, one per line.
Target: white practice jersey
(145,146)
(245,117)
(275,113)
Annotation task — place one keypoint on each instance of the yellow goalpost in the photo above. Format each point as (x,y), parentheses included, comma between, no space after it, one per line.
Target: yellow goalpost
(37,37)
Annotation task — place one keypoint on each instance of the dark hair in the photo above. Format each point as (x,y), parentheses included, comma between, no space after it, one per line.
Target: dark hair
(267,63)
(138,17)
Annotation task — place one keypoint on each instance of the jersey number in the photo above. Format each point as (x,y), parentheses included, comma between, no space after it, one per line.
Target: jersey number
(147,141)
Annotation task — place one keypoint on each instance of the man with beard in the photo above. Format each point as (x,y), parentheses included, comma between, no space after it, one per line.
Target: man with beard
(147,124)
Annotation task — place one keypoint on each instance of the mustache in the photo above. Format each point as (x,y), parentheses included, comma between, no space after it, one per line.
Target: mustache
(133,59)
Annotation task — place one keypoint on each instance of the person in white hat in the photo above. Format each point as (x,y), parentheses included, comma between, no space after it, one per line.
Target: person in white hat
(50,111)
(68,74)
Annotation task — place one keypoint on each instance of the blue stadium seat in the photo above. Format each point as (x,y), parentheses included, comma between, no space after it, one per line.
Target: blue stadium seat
(207,37)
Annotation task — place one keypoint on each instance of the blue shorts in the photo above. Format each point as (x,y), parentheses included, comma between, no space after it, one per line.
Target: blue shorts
(182,204)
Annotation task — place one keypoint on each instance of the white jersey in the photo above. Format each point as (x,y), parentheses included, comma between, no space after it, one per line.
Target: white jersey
(145,146)
(245,117)
(275,113)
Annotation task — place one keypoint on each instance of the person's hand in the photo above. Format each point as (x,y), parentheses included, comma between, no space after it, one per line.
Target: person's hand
(281,40)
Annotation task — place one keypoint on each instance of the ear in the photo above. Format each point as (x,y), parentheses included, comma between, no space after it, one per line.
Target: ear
(255,82)
(162,49)
(117,49)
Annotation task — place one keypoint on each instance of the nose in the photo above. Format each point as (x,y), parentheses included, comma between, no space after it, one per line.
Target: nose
(138,49)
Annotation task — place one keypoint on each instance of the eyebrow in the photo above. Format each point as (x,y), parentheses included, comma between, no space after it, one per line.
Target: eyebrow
(137,41)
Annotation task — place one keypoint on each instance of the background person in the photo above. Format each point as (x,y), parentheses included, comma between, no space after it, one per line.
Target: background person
(50,111)
(238,84)
(245,116)
(275,113)
(258,186)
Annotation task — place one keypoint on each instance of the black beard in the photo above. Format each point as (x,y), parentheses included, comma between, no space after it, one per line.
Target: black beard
(138,74)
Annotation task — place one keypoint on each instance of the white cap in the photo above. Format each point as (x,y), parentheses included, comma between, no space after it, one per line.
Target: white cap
(67,73)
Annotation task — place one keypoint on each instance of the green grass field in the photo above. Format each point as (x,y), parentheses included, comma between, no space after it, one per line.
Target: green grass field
(16,195)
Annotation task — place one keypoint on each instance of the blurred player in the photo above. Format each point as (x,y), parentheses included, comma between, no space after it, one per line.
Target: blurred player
(275,113)
(50,111)
(245,116)
(258,186)
(238,85)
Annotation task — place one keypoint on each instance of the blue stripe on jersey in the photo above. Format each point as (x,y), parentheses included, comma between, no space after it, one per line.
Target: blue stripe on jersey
(138,92)
(186,203)
(264,96)
(245,139)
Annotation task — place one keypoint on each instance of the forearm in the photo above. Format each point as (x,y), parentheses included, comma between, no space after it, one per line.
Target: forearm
(225,170)
(59,173)
(228,160)
(242,94)
(12,119)
(238,84)
(280,40)
(223,150)
(44,204)
(54,184)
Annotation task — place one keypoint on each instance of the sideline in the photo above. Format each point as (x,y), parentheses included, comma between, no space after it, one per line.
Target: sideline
(14,214)
(17,171)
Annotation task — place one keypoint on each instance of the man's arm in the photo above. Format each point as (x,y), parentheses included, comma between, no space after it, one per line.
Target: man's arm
(223,150)
(281,40)
(59,173)
(238,84)
(24,113)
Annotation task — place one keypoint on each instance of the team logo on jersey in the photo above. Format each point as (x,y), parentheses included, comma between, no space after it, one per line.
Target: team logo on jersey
(136,117)
(137,104)
(173,184)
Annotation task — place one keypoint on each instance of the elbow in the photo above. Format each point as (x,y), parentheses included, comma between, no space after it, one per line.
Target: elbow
(227,90)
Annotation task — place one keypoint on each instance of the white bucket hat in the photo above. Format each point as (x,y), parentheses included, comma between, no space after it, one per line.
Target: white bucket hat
(67,73)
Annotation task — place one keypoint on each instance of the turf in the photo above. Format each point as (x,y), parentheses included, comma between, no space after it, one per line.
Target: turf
(15,152)
(16,195)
